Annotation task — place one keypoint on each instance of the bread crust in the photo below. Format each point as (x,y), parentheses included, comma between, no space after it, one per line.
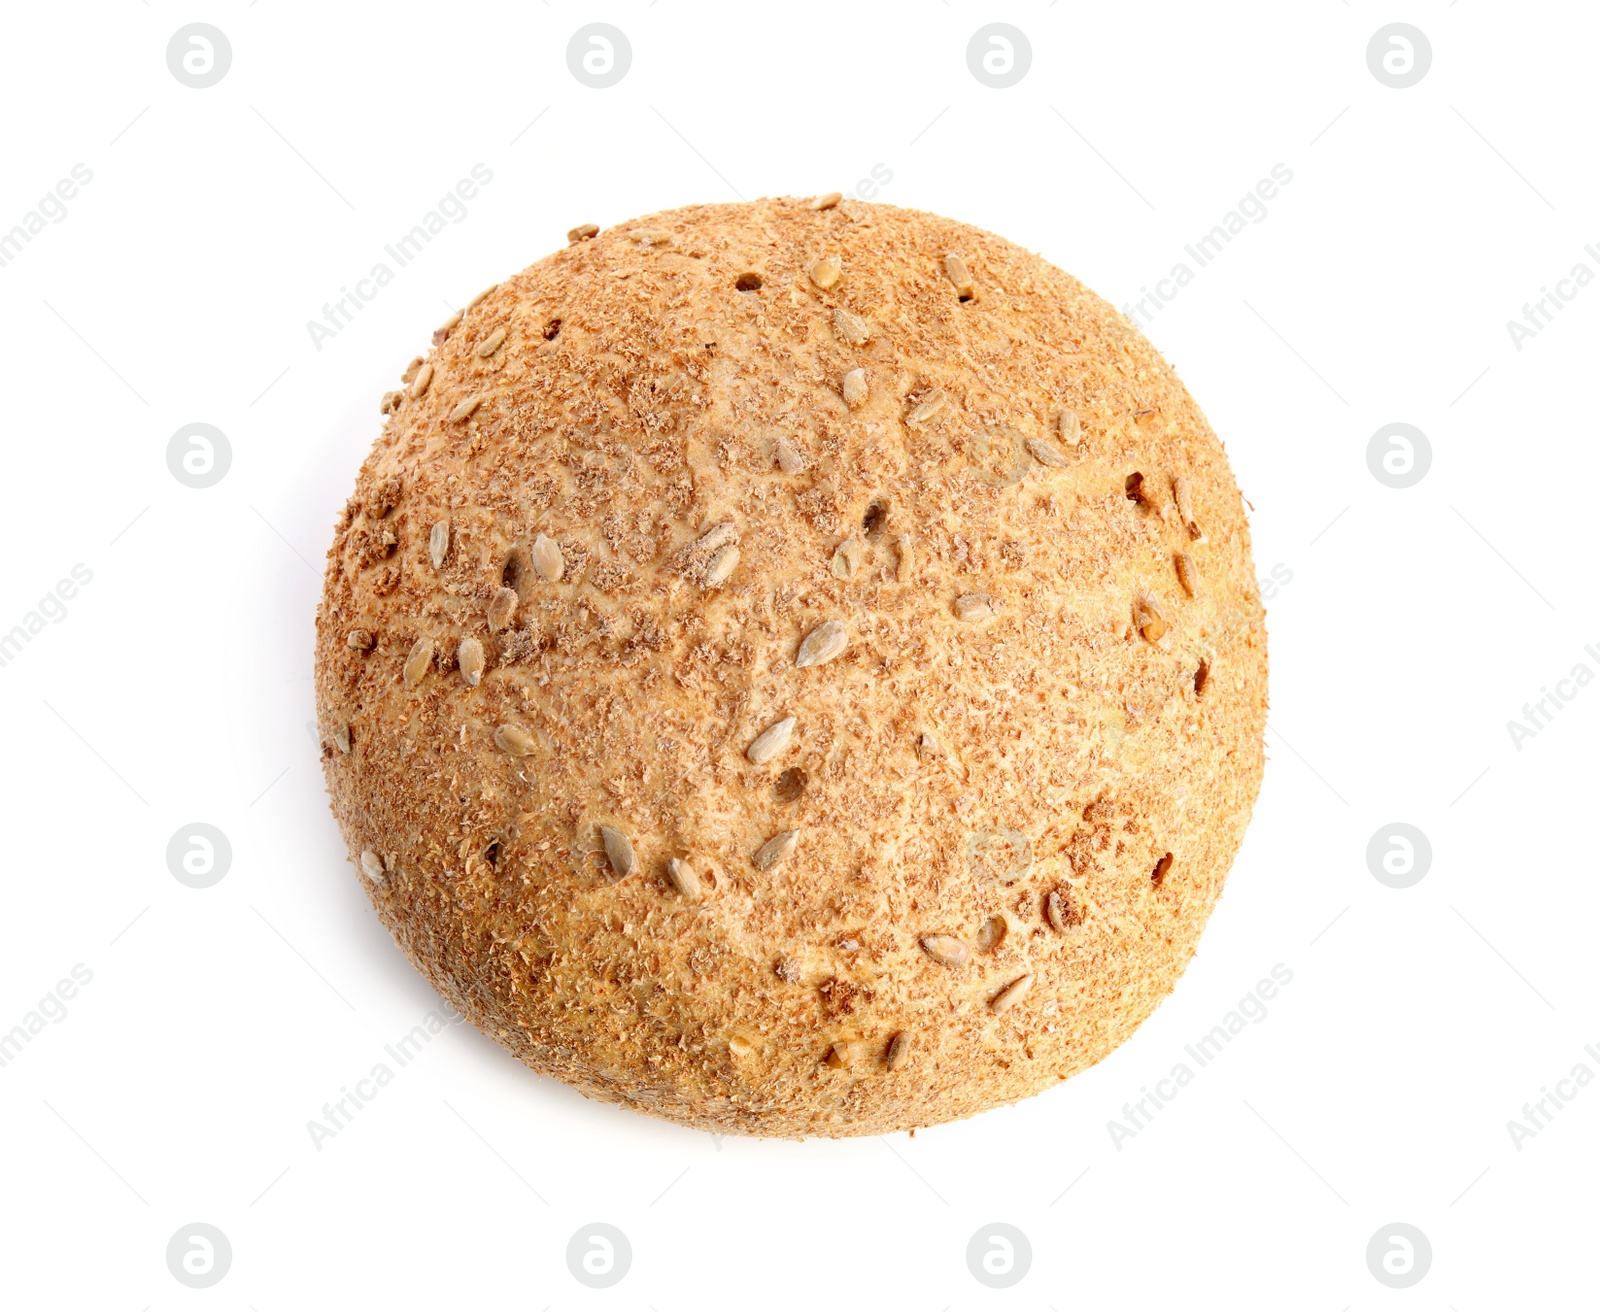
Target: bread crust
(1003,753)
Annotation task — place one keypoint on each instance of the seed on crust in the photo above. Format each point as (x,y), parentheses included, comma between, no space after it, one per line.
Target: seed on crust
(905,558)
(371,867)
(776,849)
(844,1054)
(341,738)
(583,232)
(411,369)
(419,384)
(481,296)
(469,658)
(465,408)
(358,640)
(850,327)
(418,661)
(548,562)
(946,949)
(1012,994)
(619,851)
(927,408)
(825,272)
(1188,574)
(789,457)
(847,558)
(854,387)
(899,1051)
(720,566)
(772,740)
(439,543)
(502,606)
(1183,494)
(977,606)
(684,881)
(492,343)
(822,644)
(390,402)
(513,741)
(1055,911)
(1147,617)
(955,269)
(826,201)
(1045,453)
(651,236)
(1068,429)
(718,535)
(444,329)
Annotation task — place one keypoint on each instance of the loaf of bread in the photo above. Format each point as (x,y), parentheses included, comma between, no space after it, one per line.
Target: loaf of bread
(794,668)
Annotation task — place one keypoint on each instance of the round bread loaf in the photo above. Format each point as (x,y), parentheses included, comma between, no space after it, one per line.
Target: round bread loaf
(794,668)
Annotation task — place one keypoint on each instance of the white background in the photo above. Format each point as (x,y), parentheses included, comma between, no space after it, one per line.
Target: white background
(1417,622)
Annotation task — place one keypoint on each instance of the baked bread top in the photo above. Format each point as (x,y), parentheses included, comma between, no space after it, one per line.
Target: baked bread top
(794,668)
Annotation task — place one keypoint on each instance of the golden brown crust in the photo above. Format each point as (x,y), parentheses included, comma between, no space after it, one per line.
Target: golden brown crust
(646,438)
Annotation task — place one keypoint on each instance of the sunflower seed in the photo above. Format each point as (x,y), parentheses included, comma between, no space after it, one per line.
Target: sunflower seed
(1147,618)
(1012,994)
(548,562)
(826,201)
(502,606)
(482,296)
(683,879)
(855,387)
(513,741)
(411,369)
(491,343)
(1183,494)
(1067,428)
(371,867)
(851,328)
(822,644)
(439,543)
(341,738)
(418,661)
(847,557)
(899,1052)
(906,558)
(844,1054)
(651,236)
(465,409)
(772,740)
(583,232)
(1046,454)
(719,535)
(739,1047)
(946,949)
(390,402)
(790,459)
(419,384)
(928,407)
(719,567)
(1055,911)
(447,325)
(955,269)
(619,851)
(776,849)
(976,606)
(359,639)
(469,656)
(1188,575)
(825,272)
